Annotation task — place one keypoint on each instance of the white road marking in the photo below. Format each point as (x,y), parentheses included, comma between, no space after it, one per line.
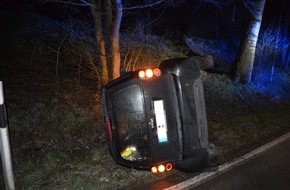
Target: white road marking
(203,177)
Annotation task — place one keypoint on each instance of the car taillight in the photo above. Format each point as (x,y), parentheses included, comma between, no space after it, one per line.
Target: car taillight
(154,169)
(157,72)
(161,168)
(141,74)
(149,73)
(168,166)
(109,129)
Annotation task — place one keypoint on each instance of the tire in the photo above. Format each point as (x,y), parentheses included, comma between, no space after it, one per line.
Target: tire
(194,163)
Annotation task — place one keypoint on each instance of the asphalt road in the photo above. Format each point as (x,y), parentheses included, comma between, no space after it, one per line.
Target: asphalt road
(269,170)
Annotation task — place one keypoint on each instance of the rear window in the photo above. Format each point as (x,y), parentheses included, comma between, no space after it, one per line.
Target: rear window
(131,123)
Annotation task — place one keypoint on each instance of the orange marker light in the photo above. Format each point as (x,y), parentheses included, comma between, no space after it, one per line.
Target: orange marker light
(161,168)
(149,73)
(157,72)
(154,169)
(141,74)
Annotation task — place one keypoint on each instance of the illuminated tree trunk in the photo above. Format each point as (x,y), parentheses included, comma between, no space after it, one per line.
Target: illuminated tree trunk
(246,55)
(107,16)
(110,22)
(285,57)
(101,45)
(115,39)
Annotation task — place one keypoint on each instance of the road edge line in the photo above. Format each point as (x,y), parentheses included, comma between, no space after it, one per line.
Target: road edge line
(205,176)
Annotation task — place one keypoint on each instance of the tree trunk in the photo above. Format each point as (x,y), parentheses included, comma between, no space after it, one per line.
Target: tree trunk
(115,39)
(285,59)
(246,55)
(107,17)
(101,47)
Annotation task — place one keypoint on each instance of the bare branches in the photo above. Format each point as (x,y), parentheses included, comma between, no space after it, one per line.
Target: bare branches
(251,6)
(107,17)
(145,5)
(71,2)
(152,3)
(57,51)
(217,3)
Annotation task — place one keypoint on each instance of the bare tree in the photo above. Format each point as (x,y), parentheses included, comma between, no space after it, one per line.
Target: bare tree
(283,34)
(95,9)
(243,66)
(58,51)
(245,58)
(107,16)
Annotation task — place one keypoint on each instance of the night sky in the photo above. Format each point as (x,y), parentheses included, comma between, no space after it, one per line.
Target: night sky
(181,18)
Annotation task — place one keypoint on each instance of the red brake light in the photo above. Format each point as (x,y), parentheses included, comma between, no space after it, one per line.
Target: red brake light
(109,129)
(157,72)
(168,167)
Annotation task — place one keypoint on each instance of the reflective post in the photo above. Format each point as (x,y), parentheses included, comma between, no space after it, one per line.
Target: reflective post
(5,145)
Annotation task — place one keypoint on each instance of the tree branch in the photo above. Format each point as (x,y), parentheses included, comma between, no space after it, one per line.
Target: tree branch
(80,3)
(144,6)
(217,3)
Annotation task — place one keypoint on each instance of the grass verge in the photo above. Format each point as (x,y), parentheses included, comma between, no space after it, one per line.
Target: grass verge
(247,130)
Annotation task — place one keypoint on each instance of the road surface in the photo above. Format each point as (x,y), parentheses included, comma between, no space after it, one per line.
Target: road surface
(269,170)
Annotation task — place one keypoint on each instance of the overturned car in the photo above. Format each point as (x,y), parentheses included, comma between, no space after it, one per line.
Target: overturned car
(155,118)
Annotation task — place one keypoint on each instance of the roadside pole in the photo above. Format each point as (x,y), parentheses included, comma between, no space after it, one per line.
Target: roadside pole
(5,145)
